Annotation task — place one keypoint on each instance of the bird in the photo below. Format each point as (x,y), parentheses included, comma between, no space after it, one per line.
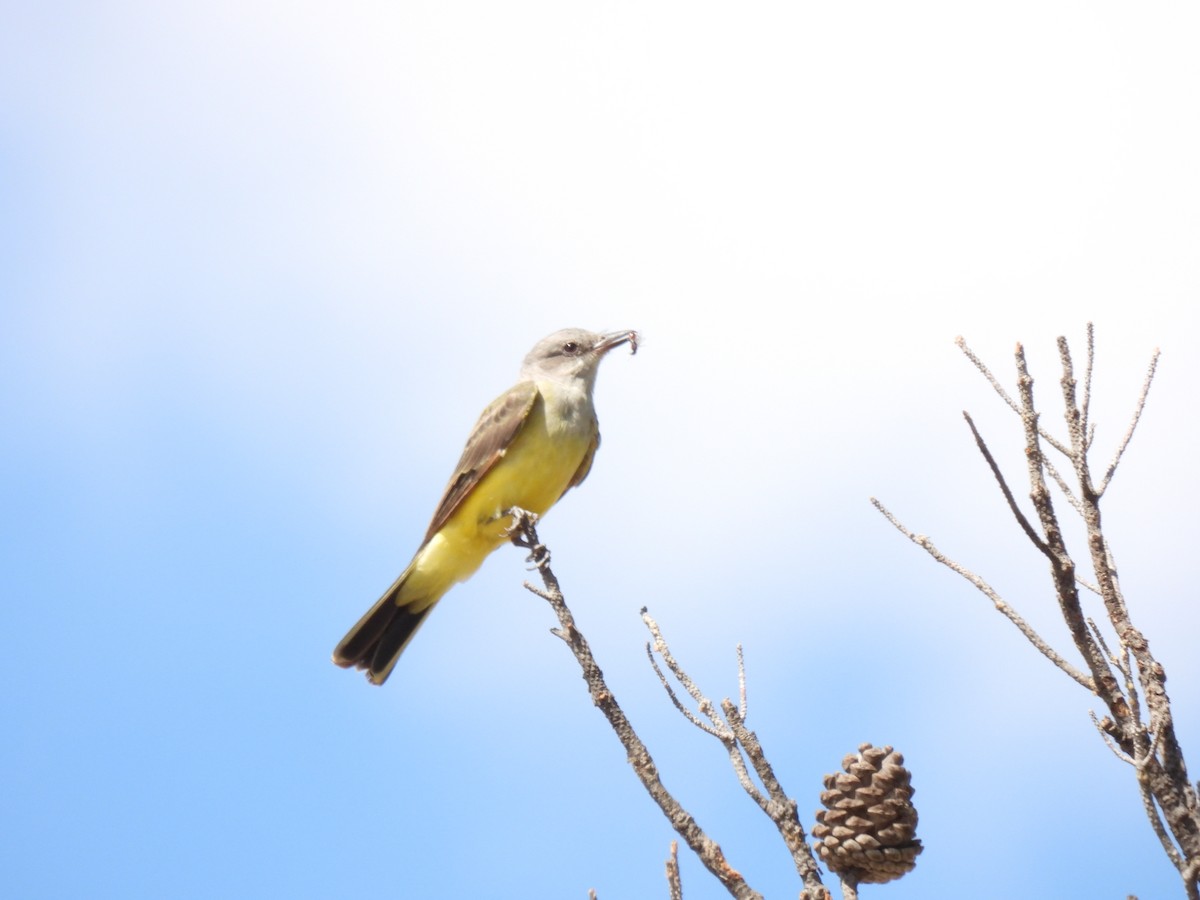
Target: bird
(530,446)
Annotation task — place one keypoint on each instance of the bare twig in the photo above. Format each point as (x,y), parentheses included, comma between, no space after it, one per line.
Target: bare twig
(1087,385)
(1099,636)
(1062,567)
(1011,614)
(674,882)
(716,726)
(1072,412)
(719,728)
(1137,417)
(1029,530)
(1004,395)
(743,706)
(1063,486)
(1156,822)
(524,535)
(659,646)
(1106,727)
(781,808)
(731,730)
(713,729)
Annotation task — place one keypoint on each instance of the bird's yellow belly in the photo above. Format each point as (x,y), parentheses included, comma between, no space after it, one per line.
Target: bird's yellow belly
(536,469)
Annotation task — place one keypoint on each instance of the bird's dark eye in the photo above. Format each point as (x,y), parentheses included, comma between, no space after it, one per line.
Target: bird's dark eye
(570,348)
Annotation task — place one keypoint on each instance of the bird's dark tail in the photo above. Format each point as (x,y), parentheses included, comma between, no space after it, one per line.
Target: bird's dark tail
(380,636)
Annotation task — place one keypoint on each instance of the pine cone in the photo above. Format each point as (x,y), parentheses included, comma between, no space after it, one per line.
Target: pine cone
(867,830)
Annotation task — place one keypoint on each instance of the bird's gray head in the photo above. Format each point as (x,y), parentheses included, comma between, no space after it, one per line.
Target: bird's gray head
(573,354)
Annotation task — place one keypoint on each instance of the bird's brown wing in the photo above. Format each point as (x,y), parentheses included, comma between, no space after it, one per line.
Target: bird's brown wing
(490,437)
(585,465)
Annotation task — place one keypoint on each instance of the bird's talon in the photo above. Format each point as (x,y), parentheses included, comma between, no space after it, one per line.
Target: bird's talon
(522,522)
(521,519)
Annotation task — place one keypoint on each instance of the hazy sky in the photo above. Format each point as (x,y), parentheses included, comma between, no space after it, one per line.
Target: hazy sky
(261,265)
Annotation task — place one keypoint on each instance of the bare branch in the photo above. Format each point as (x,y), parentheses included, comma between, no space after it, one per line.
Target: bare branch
(1032,636)
(1191,878)
(986,372)
(1029,530)
(705,705)
(1004,395)
(743,708)
(674,883)
(1156,822)
(1099,637)
(714,730)
(524,535)
(1087,386)
(781,808)
(1106,728)
(1130,682)
(1076,430)
(719,728)
(1156,733)
(737,738)
(1062,567)
(1137,416)
(1158,761)
(1063,486)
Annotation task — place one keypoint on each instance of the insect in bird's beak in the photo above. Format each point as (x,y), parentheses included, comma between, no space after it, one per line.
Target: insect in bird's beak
(616,338)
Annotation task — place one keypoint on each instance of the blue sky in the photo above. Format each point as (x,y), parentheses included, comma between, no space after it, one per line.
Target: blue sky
(261,264)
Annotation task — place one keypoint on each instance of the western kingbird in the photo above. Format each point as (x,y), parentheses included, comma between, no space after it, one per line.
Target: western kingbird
(530,446)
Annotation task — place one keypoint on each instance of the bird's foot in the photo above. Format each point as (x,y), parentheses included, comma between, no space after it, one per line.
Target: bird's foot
(523,533)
